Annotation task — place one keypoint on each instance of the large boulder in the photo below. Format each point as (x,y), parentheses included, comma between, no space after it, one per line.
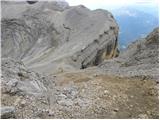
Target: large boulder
(53,38)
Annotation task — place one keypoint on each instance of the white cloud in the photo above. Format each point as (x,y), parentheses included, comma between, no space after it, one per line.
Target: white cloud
(127,12)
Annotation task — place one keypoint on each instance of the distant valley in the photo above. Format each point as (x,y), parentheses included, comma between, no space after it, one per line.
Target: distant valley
(134,22)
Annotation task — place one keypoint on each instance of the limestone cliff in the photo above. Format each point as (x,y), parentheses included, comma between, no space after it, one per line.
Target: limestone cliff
(58,37)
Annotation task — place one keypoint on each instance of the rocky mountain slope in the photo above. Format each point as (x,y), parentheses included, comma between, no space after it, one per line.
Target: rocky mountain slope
(79,94)
(59,62)
(139,59)
(49,40)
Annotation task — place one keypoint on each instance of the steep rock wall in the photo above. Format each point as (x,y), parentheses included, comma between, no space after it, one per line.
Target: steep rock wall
(47,39)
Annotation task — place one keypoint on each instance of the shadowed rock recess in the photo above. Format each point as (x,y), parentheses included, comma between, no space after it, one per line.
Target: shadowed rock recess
(61,61)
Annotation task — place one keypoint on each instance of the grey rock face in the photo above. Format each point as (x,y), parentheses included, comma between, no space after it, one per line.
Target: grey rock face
(15,9)
(140,58)
(16,79)
(50,39)
(7,112)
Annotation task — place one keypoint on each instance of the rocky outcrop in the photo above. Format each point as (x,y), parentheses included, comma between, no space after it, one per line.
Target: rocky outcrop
(50,39)
(17,80)
(140,58)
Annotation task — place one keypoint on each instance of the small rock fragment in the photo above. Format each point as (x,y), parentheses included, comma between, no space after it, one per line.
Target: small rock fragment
(116,110)
(51,113)
(65,102)
(23,103)
(106,91)
(143,116)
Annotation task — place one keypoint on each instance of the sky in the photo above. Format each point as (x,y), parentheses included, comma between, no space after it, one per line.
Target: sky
(111,4)
(106,4)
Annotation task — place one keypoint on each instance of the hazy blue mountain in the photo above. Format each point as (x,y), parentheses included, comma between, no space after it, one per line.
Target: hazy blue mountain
(151,9)
(134,24)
